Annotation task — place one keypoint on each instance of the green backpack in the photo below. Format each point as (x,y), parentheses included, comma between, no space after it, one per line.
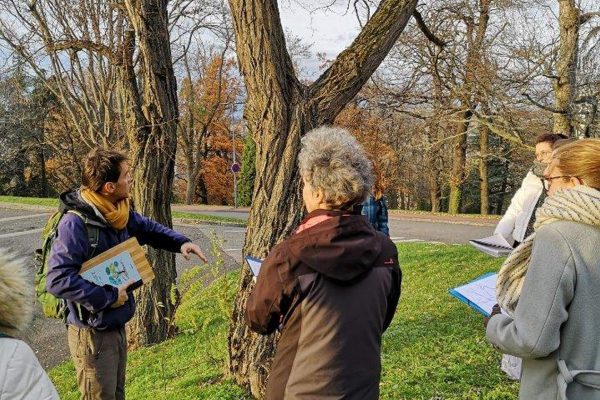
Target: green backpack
(52,306)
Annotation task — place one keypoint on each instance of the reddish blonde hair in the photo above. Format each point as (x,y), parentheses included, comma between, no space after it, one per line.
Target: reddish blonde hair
(580,159)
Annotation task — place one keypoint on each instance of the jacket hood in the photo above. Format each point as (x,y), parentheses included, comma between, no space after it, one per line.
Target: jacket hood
(17,297)
(72,200)
(338,244)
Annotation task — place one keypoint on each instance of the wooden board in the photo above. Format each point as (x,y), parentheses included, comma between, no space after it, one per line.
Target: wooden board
(137,255)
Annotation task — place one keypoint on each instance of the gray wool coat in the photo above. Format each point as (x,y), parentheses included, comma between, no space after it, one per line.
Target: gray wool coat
(558,315)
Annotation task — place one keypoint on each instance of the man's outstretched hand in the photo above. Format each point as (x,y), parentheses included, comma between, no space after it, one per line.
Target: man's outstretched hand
(191,248)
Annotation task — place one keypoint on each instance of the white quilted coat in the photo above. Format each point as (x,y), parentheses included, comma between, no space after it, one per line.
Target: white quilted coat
(513,224)
(21,375)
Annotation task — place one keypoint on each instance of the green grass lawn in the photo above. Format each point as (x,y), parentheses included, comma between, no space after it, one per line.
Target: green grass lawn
(434,349)
(32,201)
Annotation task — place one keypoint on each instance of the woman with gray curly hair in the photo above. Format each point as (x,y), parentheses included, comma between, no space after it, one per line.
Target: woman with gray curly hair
(332,287)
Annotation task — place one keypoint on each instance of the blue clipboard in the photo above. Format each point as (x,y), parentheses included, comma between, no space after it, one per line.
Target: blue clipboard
(468,302)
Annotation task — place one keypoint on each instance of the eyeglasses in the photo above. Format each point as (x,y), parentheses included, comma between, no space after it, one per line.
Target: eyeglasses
(548,180)
(543,154)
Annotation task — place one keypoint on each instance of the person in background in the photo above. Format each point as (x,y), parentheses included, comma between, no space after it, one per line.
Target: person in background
(375,206)
(550,284)
(332,287)
(21,375)
(517,222)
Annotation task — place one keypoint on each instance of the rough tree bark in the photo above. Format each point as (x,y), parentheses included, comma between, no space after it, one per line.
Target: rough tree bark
(279,110)
(569,21)
(152,126)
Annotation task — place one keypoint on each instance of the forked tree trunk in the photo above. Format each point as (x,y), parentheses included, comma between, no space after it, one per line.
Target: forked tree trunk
(279,110)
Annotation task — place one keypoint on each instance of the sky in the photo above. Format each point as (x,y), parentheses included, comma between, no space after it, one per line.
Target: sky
(327,31)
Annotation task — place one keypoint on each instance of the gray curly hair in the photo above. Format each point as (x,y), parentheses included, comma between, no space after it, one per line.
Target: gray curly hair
(332,160)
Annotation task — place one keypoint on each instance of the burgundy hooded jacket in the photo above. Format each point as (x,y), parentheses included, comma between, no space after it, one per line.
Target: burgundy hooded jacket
(332,289)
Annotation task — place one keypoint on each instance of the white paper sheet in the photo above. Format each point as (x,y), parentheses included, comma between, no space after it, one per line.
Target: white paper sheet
(254,265)
(481,292)
(495,245)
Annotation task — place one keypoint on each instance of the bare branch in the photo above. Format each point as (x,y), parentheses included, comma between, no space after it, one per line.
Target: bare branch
(78,45)
(584,18)
(542,106)
(426,31)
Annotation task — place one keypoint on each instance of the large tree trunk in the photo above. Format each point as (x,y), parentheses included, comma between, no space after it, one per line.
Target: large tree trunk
(470,97)
(484,184)
(152,121)
(190,190)
(459,156)
(566,66)
(434,192)
(278,111)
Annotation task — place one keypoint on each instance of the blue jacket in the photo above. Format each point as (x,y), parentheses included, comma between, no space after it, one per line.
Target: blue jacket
(377,213)
(71,248)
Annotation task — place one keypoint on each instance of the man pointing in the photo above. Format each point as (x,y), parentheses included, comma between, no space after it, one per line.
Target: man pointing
(97,315)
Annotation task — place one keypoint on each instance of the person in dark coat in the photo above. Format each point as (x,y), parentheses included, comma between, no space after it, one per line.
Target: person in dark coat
(332,287)
(97,314)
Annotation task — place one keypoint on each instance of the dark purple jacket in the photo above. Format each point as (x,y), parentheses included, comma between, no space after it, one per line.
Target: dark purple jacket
(71,249)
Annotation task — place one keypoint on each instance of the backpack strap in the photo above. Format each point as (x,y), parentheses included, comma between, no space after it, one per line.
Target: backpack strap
(92,228)
(93,234)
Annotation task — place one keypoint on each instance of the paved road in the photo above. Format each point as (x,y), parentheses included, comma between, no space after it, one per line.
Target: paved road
(408,227)
(20,231)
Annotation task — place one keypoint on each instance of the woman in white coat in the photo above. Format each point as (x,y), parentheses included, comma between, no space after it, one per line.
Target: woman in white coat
(21,375)
(517,222)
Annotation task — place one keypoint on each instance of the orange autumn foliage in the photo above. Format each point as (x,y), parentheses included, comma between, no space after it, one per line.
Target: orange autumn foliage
(206,133)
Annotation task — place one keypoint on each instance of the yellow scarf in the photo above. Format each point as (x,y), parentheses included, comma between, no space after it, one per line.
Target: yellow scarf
(117,216)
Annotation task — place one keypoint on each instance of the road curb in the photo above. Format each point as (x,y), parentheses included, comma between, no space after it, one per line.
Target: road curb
(440,221)
(191,221)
